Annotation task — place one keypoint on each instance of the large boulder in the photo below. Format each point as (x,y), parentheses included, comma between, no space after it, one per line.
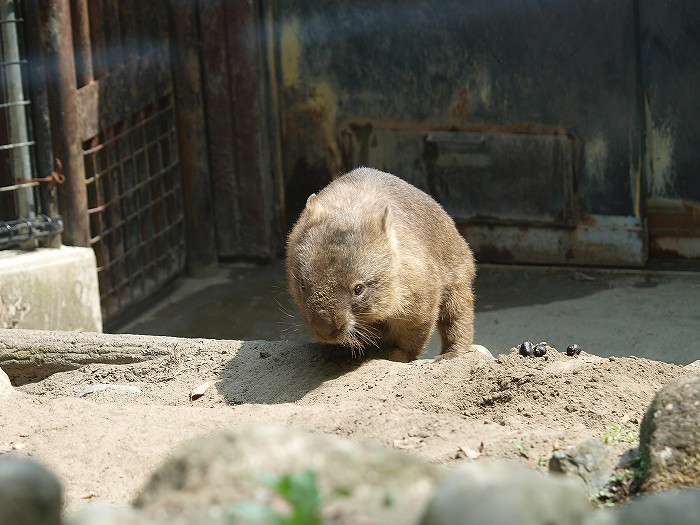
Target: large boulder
(670,436)
(676,507)
(101,514)
(29,493)
(210,479)
(503,492)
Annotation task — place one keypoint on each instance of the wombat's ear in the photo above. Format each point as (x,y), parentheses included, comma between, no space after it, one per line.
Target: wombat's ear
(382,221)
(386,220)
(314,209)
(386,225)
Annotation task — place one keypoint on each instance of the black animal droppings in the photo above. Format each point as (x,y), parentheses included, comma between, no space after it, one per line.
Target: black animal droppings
(526,348)
(573,350)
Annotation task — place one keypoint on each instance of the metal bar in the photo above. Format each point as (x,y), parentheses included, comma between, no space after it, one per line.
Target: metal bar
(9,63)
(16,145)
(16,115)
(19,186)
(15,104)
(41,124)
(83,51)
(64,119)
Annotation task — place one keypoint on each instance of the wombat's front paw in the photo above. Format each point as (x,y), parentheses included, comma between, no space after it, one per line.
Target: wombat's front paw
(446,355)
(398,355)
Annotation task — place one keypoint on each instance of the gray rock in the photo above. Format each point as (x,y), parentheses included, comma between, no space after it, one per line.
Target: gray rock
(29,493)
(503,492)
(588,461)
(99,514)
(674,507)
(483,350)
(670,436)
(6,389)
(208,479)
(602,517)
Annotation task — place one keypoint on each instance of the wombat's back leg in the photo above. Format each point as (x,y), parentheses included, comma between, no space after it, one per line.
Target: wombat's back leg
(456,319)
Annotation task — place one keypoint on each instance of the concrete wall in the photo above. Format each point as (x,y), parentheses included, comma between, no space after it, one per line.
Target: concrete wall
(50,289)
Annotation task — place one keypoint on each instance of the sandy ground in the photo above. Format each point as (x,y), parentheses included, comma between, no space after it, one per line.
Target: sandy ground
(105,444)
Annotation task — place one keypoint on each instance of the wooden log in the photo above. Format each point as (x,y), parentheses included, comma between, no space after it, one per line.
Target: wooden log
(32,355)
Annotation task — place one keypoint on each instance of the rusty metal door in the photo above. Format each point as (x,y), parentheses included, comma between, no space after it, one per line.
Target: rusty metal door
(118,127)
(241,118)
(523,118)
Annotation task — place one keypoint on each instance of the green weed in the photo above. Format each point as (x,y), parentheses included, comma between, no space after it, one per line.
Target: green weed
(619,434)
(298,490)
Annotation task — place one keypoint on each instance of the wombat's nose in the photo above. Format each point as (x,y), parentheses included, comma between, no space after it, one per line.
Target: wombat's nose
(325,325)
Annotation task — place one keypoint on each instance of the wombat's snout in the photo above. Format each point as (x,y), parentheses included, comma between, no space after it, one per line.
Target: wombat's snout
(327,326)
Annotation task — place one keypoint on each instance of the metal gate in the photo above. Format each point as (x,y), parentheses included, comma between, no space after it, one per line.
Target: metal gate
(115,126)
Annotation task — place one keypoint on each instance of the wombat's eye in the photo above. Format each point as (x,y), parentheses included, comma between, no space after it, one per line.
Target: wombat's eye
(359,288)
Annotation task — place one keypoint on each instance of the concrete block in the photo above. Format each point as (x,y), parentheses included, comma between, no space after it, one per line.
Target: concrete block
(50,289)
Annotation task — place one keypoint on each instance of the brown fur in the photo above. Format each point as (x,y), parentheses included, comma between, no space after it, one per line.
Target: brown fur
(374,261)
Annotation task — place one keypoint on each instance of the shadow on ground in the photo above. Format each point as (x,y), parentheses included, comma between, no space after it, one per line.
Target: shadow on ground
(277,372)
(607,312)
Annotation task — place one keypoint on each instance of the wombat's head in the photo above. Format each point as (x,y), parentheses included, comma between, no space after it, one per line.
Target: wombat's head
(340,271)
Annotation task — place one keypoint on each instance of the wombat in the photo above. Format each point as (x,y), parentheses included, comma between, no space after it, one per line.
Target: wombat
(375,262)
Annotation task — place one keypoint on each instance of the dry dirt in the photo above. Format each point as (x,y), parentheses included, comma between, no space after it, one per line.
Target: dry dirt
(104,445)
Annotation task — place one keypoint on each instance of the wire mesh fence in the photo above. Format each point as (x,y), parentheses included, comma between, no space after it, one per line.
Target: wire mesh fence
(134,205)
(24,214)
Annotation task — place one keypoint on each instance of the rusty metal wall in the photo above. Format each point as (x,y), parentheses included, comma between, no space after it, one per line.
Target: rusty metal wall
(369,82)
(670,61)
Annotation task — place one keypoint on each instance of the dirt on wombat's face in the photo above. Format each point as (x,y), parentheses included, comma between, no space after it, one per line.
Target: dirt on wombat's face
(375,262)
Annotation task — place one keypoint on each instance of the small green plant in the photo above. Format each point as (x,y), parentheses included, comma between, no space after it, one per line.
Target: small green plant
(619,434)
(542,462)
(616,489)
(623,484)
(298,490)
(520,450)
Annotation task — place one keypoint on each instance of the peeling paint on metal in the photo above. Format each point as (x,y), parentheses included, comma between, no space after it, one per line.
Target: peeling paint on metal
(595,155)
(601,240)
(474,96)
(660,145)
(311,155)
(290,51)
(479,86)
(310,124)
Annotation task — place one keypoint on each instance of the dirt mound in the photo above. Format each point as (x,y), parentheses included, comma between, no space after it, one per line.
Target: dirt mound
(105,444)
